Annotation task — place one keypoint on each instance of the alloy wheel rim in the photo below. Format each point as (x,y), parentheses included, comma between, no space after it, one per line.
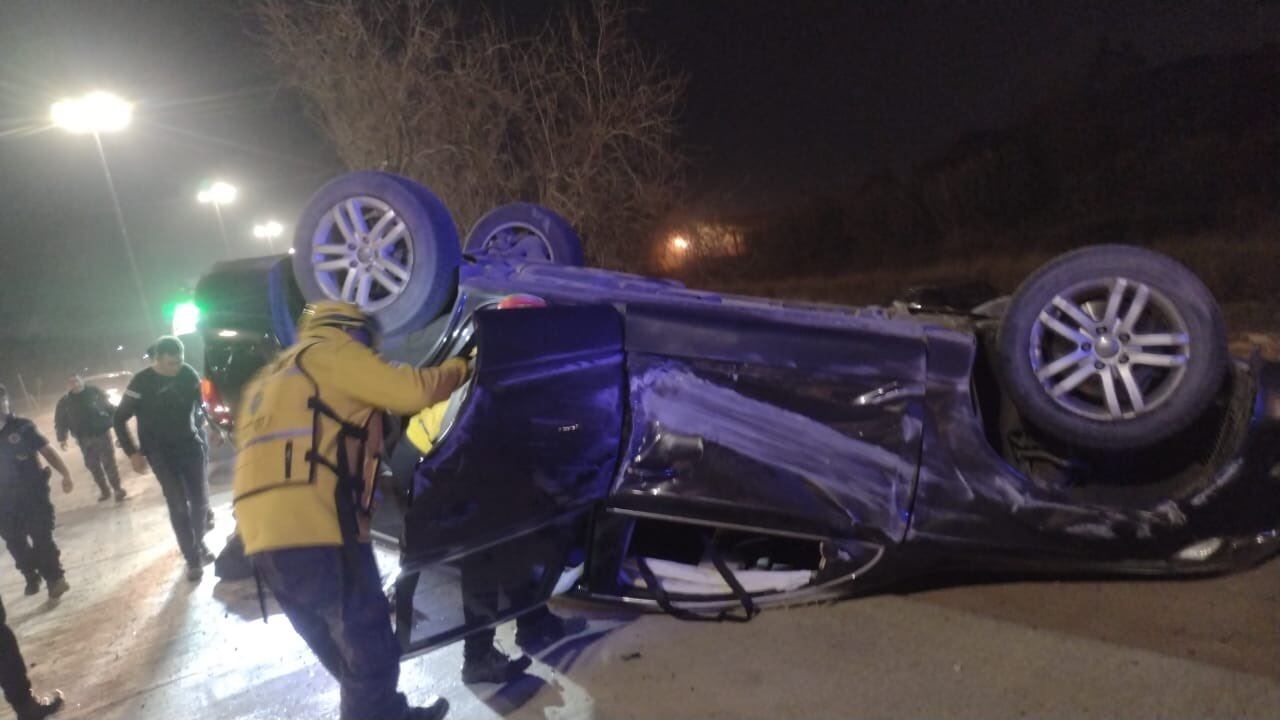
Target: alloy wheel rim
(1110,349)
(362,253)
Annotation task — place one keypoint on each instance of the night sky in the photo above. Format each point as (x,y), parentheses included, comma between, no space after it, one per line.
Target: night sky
(786,100)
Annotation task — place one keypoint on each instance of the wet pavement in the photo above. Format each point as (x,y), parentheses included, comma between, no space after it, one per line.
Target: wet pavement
(134,640)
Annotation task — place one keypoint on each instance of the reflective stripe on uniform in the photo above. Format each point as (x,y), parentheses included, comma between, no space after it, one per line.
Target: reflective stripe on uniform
(279,435)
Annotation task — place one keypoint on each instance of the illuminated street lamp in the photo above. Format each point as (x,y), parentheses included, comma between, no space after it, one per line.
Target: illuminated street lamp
(679,243)
(217,194)
(94,114)
(269,231)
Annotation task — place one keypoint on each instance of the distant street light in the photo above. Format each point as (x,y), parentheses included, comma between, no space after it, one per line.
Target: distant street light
(93,114)
(269,231)
(219,193)
(679,243)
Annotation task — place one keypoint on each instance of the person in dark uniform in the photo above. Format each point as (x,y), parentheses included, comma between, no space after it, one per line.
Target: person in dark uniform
(26,513)
(85,413)
(165,398)
(15,683)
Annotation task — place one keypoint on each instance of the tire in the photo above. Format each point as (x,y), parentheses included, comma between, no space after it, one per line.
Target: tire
(404,285)
(527,233)
(1166,359)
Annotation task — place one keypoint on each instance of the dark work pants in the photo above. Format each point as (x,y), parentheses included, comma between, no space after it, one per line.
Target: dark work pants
(492,576)
(181,475)
(26,524)
(334,599)
(100,457)
(13,669)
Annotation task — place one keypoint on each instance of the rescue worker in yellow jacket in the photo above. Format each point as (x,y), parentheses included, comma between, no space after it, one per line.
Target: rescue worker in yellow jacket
(488,575)
(309,432)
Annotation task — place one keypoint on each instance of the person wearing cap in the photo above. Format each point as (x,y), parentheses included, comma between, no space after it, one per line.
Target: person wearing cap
(26,513)
(309,433)
(85,414)
(165,398)
(485,578)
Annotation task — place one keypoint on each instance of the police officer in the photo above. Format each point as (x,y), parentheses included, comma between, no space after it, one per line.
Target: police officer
(165,398)
(26,513)
(85,413)
(309,432)
(15,683)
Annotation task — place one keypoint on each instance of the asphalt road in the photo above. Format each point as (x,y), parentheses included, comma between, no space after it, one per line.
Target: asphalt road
(133,640)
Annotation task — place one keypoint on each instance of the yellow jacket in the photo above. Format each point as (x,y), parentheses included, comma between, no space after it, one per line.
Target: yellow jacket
(282,499)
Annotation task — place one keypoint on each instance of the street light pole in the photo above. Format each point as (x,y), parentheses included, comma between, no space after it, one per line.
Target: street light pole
(218,194)
(94,114)
(124,234)
(222,228)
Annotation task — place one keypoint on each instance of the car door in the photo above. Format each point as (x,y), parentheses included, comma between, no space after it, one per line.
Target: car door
(498,509)
(791,421)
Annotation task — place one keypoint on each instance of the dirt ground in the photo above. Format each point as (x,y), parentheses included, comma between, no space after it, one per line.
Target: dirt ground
(134,640)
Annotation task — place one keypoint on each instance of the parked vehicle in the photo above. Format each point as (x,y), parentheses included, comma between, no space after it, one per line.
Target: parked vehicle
(703,453)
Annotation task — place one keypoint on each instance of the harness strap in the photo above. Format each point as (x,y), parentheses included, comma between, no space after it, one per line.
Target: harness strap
(350,429)
(348,491)
(262,593)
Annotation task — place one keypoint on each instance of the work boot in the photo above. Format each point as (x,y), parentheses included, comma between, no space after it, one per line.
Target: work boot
(58,588)
(33,585)
(104,495)
(493,666)
(547,630)
(121,495)
(194,572)
(206,557)
(37,708)
(433,710)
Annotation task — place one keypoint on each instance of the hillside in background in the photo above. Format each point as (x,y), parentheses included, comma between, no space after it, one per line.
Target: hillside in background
(1183,157)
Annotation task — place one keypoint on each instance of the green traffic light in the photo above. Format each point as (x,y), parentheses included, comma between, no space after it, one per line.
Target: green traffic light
(186,318)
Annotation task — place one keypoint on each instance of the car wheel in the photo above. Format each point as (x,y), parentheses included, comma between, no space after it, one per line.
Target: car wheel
(380,241)
(1112,347)
(527,233)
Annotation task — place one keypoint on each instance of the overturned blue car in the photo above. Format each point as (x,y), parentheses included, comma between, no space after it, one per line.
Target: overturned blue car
(639,442)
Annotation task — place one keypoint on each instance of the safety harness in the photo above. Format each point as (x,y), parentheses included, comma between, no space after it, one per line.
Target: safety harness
(350,483)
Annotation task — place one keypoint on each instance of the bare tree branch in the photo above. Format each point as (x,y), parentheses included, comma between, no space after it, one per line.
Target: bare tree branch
(575,116)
